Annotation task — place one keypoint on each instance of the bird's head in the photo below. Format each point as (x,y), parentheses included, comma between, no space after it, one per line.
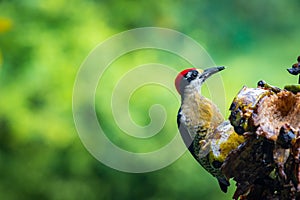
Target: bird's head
(195,77)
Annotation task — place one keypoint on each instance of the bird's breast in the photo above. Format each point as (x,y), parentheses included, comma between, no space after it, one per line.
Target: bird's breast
(199,114)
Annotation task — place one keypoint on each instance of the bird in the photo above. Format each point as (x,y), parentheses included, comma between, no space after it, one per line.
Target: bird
(205,132)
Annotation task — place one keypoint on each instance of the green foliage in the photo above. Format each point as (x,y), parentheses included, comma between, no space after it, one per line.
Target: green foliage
(43,43)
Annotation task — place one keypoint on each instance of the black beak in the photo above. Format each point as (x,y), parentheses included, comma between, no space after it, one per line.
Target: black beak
(210,71)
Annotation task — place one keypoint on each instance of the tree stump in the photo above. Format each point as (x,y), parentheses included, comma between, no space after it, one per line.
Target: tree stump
(266,165)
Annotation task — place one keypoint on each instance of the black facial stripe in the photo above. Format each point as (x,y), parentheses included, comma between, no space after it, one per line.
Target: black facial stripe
(191,75)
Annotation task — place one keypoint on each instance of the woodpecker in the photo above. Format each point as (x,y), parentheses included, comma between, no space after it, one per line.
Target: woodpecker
(204,131)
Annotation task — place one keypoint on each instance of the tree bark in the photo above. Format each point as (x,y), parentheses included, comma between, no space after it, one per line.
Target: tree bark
(266,165)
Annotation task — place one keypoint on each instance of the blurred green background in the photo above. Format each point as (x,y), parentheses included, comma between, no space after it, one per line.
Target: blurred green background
(42,45)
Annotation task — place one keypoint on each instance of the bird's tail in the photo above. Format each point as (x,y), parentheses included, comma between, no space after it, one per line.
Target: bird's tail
(224,183)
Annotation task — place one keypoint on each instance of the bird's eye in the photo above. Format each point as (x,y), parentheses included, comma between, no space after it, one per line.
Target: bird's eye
(192,75)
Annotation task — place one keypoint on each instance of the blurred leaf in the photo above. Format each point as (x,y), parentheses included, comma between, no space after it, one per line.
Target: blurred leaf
(5,24)
(1,58)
